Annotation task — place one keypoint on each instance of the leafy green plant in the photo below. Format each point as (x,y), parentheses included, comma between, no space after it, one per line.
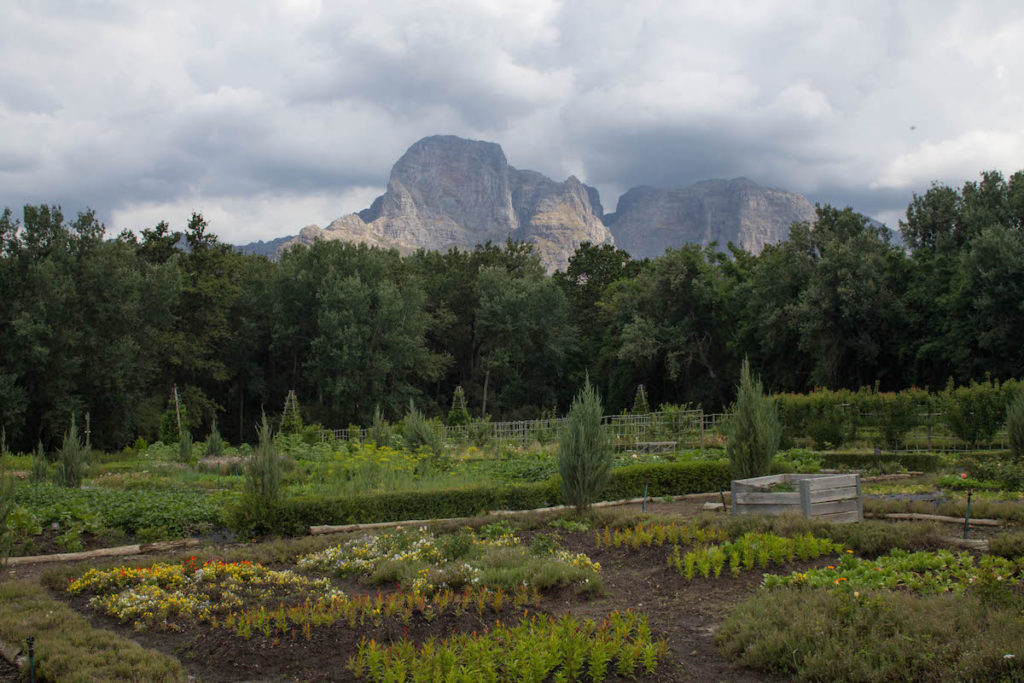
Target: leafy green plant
(263,474)
(1015,427)
(753,429)
(6,501)
(40,466)
(458,414)
(72,459)
(974,413)
(380,431)
(585,454)
(214,442)
(751,549)
(536,649)
(418,431)
(185,447)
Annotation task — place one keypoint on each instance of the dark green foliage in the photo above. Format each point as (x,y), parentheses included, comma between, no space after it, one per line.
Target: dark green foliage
(1015,427)
(753,429)
(72,459)
(40,466)
(458,414)
(295,515)
(169,431)
(6,501)
(291,416)
(262,496)
(349,327)
(185,447)
(666,479)
(380,430)
(585,454)
(419,432)
(214,442)
(974,413)
(640,405)
(1008,544)
(831,635)
(917,462)
(157,514)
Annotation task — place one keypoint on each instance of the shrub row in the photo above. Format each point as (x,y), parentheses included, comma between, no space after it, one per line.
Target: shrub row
(294,515)
(973,413)
(923,462)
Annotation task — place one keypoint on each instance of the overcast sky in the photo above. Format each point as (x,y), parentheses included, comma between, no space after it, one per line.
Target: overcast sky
(268,116)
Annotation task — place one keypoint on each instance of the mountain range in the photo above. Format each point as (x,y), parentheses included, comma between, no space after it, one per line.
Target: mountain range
(447,191)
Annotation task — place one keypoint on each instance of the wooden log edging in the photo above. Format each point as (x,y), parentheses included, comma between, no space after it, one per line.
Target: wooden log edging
(922,517)
(341,528)
(118,551)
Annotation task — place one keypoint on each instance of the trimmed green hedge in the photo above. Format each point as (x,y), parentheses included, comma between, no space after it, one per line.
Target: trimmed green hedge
(294,515)
(924,462)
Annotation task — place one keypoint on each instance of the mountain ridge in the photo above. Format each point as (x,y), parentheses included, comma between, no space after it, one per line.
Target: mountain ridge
(446,191)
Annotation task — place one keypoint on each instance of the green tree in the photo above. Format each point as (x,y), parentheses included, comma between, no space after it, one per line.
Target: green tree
(753,428)
(851,315)
(584,454)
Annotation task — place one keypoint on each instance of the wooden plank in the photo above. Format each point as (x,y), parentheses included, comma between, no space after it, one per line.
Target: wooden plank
(766,509)
(834,506)
(825,495)
(765,498)
(832,481)
(919,516)
(852,516)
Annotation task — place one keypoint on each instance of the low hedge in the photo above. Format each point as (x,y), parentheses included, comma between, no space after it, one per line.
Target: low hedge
(923,462)
(294,515)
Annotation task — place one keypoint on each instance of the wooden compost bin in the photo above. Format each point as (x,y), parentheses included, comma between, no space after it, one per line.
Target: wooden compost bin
(832,497)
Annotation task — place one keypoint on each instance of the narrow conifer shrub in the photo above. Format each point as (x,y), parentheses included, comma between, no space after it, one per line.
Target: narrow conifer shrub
(214,442)
(380,429)
(753,431)
(72,458)
(1015,427)
(419,432)
(585,454)
(263,474)
(185,447)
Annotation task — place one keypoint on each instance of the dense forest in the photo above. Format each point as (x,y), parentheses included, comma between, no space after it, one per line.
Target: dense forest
(106,327)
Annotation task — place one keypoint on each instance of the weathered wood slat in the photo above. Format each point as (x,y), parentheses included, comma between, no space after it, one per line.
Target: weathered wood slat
(766,509)
(831,482)
(825,495)
(920,516)
(765,498)
(818,509)
(853,516)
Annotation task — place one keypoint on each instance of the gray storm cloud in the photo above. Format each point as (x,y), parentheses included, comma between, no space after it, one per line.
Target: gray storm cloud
(269,116)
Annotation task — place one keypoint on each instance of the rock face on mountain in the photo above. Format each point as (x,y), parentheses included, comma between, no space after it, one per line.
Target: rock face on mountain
(649,220)
(446,192)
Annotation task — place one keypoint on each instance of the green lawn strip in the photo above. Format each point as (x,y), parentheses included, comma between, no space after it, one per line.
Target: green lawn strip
(68,648)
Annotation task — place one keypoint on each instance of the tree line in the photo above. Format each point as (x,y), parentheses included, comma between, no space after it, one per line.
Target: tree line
(106,327)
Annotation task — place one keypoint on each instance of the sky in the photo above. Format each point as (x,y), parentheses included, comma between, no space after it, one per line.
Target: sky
(269,116)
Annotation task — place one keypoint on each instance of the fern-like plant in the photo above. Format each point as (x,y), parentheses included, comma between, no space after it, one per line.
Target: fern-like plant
(419,432)
(753,430)
(585,454)
(40,467)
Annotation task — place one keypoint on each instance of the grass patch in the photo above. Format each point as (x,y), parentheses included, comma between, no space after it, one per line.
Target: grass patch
(68,648)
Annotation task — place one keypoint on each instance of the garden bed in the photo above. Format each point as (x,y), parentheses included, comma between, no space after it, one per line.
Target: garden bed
(833,497)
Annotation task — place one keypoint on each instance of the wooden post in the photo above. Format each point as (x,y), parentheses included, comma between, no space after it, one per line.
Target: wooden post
(177,409)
